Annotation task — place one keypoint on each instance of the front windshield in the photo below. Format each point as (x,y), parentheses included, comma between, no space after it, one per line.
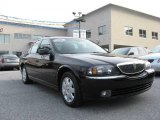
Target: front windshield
(121,51)
(156,49)
(75,46)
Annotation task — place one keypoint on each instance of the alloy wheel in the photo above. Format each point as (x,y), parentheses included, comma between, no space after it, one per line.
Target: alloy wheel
(68,89)
(24,75)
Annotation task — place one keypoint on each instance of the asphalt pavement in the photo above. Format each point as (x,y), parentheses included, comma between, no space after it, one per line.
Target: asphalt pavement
(37,102)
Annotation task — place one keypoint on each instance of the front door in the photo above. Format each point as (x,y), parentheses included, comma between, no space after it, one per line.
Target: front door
(46,64)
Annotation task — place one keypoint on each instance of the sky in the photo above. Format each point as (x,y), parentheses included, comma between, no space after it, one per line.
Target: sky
(61,10)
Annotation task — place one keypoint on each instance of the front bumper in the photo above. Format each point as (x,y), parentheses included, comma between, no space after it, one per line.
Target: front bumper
(92,87)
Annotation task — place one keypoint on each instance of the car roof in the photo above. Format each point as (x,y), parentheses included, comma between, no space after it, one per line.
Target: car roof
(55,37)
(131,47)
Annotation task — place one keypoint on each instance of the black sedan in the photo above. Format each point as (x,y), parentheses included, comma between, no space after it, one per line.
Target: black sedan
(81,70)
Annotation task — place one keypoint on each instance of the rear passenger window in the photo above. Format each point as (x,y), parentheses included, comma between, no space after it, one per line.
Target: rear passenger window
(142,51)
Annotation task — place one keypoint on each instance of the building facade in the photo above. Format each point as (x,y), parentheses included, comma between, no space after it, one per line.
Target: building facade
(114,26)
(110,26)
(16,38)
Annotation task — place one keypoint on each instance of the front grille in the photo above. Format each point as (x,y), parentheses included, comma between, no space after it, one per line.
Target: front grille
(132,68)
(150,60)
(133,89)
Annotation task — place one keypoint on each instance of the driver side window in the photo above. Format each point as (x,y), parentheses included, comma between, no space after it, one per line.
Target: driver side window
(45,44)
(34,48)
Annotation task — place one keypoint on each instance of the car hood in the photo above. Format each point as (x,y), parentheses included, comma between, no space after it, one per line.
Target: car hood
(101,58)
(151,56)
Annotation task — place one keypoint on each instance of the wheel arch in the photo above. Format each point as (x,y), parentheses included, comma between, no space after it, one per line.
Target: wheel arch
(62,70)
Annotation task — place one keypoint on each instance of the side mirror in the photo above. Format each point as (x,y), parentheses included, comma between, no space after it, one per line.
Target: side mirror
(131,53)
(44,51)
(106,49)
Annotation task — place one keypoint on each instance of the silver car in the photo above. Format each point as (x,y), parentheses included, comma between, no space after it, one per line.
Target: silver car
(130,51)
(9,61)
(154,58)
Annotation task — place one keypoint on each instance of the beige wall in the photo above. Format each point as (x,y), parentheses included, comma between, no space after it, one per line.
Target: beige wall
(22,44)
(96,19)
(93,21)
(122,17)
(114,17)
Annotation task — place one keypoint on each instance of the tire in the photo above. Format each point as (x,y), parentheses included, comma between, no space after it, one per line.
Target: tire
(18,68)
(70,90)
(25,78)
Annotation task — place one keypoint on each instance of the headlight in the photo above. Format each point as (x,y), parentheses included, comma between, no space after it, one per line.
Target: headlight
(147,65)
(102,70)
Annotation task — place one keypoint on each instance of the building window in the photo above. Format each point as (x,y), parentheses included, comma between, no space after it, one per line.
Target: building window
(155,35)
(142,33)
(4,52)
(4,38)
(22,36)
(128,30)
(102,30)
(88,34)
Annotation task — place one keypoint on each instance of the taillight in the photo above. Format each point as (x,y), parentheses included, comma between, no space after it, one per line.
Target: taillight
(158,61)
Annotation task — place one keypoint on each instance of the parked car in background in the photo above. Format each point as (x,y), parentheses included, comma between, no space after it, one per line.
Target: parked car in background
(156,49)
(82,70)
(9,61)
(130,51)
(153,58)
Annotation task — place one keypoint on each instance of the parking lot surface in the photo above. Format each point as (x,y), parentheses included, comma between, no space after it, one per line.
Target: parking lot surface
(37,102)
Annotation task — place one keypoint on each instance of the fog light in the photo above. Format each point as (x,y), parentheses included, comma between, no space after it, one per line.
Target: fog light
(106,93)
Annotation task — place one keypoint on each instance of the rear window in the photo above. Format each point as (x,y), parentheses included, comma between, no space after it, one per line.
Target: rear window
(121,51)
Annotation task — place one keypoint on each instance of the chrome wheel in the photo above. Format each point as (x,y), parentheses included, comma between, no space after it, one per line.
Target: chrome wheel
(68,89)
(24,75)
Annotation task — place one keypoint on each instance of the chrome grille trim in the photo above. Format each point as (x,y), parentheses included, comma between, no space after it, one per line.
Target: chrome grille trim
(131,63)
(149,71)
(142,75)
(106,77)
